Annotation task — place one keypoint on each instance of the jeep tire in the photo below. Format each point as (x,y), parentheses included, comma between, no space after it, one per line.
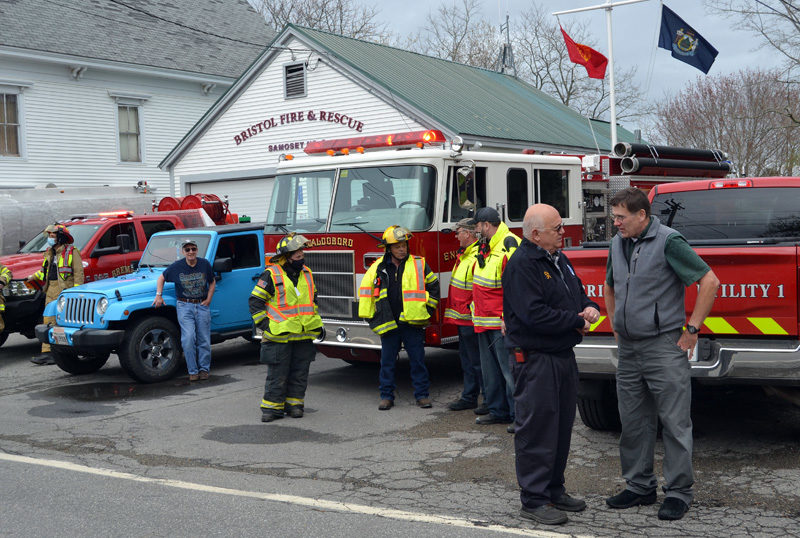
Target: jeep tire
(151,350)
(78,364)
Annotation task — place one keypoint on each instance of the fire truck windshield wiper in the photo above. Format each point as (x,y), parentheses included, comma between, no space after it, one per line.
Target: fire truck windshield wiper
(282,226)
(358,226)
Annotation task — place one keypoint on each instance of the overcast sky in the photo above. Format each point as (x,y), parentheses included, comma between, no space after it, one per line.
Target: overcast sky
(635,29)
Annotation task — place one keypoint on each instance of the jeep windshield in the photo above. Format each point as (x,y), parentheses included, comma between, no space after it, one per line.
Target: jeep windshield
(82,233)
(731,214)
(373,198)
(162,250)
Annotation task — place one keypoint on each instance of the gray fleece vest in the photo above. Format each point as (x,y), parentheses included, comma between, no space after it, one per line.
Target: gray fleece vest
(649,296)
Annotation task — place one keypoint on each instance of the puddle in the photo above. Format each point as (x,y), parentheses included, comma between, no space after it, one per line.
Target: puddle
(272,433)
(110,391)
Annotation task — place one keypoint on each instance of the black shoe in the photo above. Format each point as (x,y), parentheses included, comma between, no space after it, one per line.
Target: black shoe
(295,411)
(568,504)
(460,405)
(269,416)
(44,358)
(629,499)
(672,509)
(511,429)
(482,410)
(491,419)
(547,514)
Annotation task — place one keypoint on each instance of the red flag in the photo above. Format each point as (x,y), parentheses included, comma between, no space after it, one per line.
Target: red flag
(594,62)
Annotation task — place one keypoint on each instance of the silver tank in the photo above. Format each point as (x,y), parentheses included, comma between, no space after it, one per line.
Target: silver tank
(26,212)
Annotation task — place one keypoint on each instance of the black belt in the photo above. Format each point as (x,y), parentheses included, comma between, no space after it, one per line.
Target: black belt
(193,301)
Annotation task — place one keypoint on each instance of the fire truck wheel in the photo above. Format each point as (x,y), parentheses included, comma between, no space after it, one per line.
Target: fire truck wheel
(3,337)
(597,404)
(151,350)
(71,362)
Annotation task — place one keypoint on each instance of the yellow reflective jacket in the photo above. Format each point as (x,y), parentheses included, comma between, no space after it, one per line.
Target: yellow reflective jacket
(487,285)
(289,314)
(68,265)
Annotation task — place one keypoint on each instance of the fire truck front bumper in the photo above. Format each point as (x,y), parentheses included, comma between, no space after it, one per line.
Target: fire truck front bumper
(721,360)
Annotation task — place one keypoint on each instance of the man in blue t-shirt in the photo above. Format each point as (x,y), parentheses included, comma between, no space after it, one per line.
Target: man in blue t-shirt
(194,287)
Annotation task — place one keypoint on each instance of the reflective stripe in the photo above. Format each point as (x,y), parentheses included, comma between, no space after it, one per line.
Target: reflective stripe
(487,282)
(460,284)
(2,307)
(260,292)
(365,293)
(276,406)
(258,317)
(454,314)
(275,314)
(486,321)
(414,296)
(294,401)
(386,327)
(433,303)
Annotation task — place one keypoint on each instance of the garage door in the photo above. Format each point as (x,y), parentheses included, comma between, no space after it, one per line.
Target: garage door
(246,196)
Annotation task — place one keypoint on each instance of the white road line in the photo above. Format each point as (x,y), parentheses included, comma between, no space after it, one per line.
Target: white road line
(291,499)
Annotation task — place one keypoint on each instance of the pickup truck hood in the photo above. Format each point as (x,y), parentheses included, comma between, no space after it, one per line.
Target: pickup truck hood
(22,265)
(138,283)
(757,296)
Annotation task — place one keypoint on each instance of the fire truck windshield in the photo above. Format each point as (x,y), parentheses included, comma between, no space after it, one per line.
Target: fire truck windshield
(372,197)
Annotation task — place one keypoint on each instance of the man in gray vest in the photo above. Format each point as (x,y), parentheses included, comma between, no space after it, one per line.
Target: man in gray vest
(649,267)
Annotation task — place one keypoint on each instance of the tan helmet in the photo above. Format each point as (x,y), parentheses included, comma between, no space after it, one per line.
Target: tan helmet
(291,243)
(394,234)
(63,236)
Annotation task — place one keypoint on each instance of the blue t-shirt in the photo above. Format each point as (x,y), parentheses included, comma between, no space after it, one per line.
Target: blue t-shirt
(190,282)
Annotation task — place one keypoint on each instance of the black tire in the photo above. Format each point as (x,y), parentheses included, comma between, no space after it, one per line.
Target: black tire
(597,404)
(73,363)
(3,337)
(151,350)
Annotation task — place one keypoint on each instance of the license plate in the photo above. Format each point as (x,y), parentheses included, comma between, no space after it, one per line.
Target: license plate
(59,337)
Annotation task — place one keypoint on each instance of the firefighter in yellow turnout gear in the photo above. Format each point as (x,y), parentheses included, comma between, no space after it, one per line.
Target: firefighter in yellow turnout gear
(5,279)
(283,305)
(398,295)
(62,268)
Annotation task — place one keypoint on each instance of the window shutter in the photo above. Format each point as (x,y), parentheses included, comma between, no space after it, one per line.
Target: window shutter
(295,80)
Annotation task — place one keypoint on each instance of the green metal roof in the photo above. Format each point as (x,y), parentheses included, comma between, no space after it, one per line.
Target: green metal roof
(468,100)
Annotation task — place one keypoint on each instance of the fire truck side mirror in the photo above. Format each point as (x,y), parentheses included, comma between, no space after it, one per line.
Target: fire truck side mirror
(465,183)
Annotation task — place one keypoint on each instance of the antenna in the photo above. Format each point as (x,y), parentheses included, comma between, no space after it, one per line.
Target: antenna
(505,62)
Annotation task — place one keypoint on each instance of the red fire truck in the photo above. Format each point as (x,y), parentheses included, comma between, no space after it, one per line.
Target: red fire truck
(345,193)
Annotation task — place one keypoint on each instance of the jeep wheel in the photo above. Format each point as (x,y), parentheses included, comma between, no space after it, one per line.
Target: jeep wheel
(597,404)
(3,337)
(71,362)
(151,350)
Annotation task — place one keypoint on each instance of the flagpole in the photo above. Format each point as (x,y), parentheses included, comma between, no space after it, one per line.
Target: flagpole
(608,6)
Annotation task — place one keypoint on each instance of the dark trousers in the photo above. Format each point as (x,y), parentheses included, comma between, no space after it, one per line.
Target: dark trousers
(498,382)
(287,373)
(413,338)
(470,357)
(545,395)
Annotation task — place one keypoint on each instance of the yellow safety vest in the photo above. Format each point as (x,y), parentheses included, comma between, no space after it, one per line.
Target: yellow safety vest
(63,265)
(487,285)
(373,297)
(291,310)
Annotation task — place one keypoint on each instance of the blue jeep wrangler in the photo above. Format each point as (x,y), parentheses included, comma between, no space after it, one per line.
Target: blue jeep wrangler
(116,315)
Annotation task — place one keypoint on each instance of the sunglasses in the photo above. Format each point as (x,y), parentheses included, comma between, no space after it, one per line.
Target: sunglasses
(190,249)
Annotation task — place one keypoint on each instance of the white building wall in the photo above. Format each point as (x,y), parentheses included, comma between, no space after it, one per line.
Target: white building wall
(70,132)
(328,90)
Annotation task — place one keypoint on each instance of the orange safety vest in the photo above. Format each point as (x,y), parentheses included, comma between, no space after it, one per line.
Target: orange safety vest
(459,295)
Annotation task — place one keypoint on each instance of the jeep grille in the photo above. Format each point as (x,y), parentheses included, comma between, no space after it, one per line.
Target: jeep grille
(80,310)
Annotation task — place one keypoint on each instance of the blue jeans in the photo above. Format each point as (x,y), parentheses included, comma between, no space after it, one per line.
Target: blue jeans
(195,322)
(498,382)
(413,338)
(470,357)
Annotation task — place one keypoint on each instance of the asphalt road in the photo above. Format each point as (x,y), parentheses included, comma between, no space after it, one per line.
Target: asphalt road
(100,455)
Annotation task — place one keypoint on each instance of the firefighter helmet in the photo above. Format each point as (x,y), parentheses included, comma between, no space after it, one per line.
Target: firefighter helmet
(63,236)
(291,243)
(394,234)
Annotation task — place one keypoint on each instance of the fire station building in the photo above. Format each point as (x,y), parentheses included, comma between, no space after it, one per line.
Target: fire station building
(310,85)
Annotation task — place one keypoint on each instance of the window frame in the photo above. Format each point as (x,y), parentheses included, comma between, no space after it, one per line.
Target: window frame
(304,72)
(17,89)
(131,100)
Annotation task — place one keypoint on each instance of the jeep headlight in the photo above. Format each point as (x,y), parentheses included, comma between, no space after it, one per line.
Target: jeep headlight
(102,306)
(62,302)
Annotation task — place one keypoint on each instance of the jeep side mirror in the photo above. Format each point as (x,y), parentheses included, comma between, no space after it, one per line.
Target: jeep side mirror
(223,265)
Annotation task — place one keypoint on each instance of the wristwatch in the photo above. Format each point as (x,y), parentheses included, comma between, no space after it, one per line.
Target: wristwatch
(692,329)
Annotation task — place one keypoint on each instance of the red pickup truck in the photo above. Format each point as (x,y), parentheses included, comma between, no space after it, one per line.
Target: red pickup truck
(108,242)
(748,231)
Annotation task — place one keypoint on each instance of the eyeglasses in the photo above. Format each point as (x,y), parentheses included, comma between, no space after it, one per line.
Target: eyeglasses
(619,218)
(190,249)
(556,229)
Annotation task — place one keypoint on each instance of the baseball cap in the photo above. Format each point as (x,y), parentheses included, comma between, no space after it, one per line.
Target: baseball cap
(185,242)
(486,214)
(467,224)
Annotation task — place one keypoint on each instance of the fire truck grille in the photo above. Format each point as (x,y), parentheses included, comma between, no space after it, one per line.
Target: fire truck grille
(80,310)
(334,276)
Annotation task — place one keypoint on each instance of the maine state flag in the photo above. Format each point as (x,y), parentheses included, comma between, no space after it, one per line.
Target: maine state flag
(684,42)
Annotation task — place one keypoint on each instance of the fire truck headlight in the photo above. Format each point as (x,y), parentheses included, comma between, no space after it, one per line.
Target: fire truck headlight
(62,302)
(17,288)
(341,334)
(457,144)
(102,306)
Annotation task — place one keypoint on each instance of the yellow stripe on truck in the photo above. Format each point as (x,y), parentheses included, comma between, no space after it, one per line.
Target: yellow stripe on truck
(767,326)
(719,326)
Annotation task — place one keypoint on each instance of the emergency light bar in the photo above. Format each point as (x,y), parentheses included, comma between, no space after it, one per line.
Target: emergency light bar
(116,214)
(346,145)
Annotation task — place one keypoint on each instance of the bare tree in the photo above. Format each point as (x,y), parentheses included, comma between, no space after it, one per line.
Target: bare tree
(743,114)
(543,61)
(343,17)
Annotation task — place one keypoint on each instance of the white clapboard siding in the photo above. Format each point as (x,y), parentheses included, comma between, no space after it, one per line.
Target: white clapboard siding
(330,90)
(70,127)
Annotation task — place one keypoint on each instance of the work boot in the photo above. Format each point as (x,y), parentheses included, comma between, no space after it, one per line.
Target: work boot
(482,409)
(44,358)
(461,404)
(385,405)
(269,415)
(546,514)
(424,403)
(295,411)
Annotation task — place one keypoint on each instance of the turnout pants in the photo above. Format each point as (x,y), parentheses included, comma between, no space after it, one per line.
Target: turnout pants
(287,373)
(653,383)
(545,395)
(50,295)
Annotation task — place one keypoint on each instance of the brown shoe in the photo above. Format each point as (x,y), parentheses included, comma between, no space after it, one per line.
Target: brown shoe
(385,405)
(424,403)
(203,375)
(193,377)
